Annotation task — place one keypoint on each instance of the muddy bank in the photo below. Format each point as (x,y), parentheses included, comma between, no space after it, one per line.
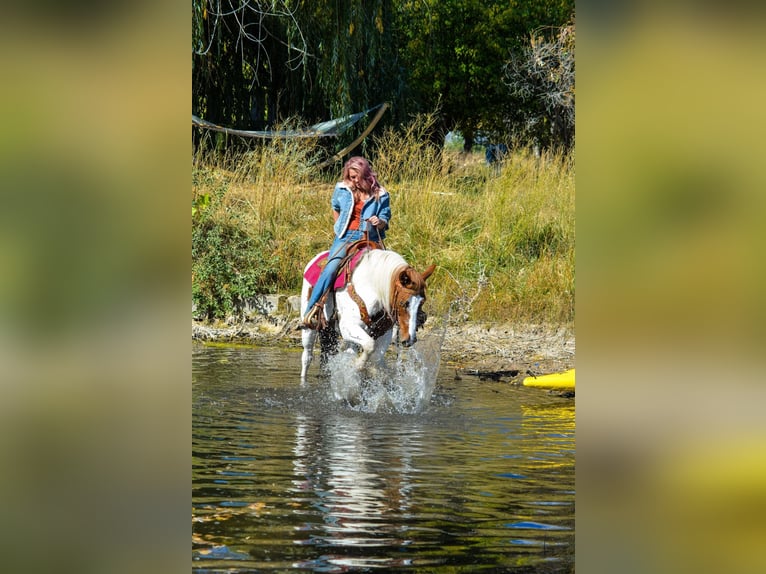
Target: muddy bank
(503,351)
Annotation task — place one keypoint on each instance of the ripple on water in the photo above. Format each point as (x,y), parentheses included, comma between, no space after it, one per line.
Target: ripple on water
(442,476)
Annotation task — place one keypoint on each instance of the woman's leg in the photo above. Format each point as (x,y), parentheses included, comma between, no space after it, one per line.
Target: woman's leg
(324,282)
(325,278)
(338,251)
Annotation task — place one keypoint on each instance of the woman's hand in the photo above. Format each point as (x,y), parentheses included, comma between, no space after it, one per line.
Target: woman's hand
(377,222)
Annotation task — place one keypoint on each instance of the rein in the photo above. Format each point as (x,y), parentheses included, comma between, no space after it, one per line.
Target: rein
(382,322)
(399,297)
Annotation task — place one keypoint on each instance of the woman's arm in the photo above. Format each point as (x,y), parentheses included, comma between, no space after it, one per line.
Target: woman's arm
(384,214)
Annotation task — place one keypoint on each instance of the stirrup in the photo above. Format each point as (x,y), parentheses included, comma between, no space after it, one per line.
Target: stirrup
(314,318)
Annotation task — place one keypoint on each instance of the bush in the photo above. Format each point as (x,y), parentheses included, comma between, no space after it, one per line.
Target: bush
(541,81)
(229,264)
(502,239)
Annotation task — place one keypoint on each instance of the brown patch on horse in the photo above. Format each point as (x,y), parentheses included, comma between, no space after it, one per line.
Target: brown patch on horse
(411,280)
(406,282)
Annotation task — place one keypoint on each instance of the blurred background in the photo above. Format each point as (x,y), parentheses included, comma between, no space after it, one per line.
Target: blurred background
(671,473)
(95,298)
(94,287)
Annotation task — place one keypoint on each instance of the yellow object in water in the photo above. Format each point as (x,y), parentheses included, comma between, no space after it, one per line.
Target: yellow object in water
(565,380)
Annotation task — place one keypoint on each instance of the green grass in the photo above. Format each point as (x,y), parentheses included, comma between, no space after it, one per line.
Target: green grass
(503,241)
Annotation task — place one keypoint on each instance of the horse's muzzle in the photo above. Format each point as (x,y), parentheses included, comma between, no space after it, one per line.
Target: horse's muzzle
(408,342)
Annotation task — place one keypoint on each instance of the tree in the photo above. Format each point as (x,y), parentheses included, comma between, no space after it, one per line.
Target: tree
(256,62)
(454,51)
(541,80)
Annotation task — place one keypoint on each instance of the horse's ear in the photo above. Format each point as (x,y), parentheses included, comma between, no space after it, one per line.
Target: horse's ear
(427,272)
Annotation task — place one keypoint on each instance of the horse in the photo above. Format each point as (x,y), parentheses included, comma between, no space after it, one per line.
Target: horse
(382,293)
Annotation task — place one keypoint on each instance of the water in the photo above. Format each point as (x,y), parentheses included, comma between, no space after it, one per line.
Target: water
(444,476)
(404,385)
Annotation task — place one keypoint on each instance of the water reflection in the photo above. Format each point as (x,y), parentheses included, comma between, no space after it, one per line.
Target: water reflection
(360,484)
(287,478)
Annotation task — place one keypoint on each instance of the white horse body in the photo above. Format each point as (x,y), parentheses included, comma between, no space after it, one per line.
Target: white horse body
(373,281)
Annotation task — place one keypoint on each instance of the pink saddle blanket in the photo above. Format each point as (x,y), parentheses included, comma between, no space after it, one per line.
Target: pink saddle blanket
(315,270)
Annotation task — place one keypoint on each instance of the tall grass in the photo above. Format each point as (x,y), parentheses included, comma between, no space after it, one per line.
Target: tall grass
(502,239)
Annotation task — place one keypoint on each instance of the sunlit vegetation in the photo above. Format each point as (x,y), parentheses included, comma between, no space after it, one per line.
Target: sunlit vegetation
(502,237)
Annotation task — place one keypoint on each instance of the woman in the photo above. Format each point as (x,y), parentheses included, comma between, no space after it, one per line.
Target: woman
(360,205)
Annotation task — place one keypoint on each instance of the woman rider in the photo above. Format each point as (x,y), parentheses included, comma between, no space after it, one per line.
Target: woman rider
(360,204)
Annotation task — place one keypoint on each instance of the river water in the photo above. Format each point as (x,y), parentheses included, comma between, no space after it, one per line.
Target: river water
(451,474)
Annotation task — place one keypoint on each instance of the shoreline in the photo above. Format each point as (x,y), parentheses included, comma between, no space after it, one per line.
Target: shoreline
(495,351)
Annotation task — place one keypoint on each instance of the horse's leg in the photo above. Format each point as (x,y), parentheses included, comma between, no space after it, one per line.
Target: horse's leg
(328,344)
(353,330)
(308,337)
(381,346)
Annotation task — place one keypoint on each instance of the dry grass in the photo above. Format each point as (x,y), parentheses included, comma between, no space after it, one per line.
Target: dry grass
(502,240)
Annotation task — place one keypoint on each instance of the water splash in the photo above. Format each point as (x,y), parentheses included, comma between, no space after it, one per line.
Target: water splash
(404,384)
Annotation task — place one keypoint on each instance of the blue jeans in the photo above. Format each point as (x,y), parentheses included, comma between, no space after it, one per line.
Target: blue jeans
(338,251)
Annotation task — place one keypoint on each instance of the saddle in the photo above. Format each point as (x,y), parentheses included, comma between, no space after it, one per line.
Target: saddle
(353,255)
(355,252)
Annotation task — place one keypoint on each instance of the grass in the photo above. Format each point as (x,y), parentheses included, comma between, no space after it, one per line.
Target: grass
(502,240)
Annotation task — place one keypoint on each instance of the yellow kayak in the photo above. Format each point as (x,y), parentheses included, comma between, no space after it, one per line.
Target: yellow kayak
(565,380)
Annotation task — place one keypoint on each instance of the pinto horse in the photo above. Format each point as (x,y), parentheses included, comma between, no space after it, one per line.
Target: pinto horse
(382,293)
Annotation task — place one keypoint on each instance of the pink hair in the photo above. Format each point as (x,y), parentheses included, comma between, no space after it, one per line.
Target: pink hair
(369,180)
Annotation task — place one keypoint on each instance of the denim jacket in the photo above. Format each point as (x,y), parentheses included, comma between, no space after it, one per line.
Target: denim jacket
(343,203)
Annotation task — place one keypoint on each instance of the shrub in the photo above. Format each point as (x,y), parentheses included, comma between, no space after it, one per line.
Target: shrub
(229,263)
(502,239)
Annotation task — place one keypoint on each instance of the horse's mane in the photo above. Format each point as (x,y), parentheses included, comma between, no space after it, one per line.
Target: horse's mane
(380,267)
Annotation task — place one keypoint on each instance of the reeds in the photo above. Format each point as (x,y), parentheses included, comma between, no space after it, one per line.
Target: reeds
(502,238)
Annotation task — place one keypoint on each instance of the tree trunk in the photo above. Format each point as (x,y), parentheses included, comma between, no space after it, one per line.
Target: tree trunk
(468,142)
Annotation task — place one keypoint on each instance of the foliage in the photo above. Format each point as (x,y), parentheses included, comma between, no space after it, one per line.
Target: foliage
(454,51)
(502,239)
(256,62)
(200,204)
(229,263)
(541,78)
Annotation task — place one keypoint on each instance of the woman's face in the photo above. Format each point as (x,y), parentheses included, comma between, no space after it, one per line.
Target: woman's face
(355,178)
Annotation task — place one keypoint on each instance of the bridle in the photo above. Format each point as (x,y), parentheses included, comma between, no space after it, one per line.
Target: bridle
(400,295)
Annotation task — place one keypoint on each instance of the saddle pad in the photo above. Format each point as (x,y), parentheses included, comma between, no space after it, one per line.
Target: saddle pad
(315,270)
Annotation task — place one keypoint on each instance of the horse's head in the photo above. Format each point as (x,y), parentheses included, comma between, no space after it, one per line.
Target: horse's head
(409,291)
